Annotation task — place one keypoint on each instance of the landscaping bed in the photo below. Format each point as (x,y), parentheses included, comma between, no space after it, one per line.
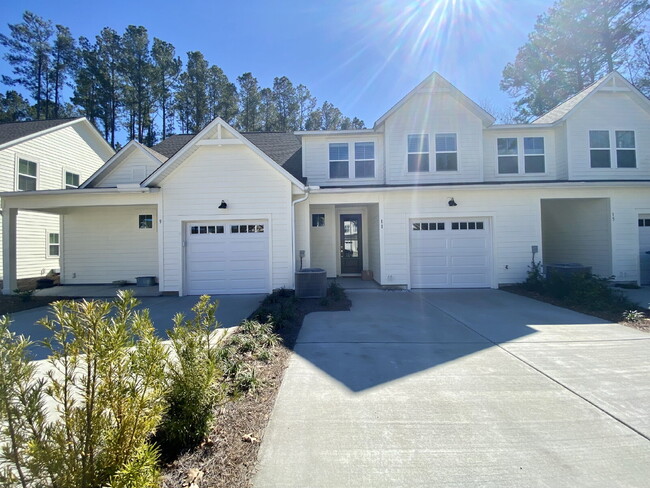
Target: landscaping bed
(228,457)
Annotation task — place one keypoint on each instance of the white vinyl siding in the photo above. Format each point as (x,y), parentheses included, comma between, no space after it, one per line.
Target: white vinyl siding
(70,148)
(253,190)
(104,244)
(134,168)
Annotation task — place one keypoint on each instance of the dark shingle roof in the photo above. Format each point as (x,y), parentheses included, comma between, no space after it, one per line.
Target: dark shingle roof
(15,130)
(282,147)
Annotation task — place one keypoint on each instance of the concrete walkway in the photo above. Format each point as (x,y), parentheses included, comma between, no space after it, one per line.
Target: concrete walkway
(460,388)
(162,309)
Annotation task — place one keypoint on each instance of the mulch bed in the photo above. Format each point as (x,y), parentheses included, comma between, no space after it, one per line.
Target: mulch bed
(228,458)
(643,325)
(14,303)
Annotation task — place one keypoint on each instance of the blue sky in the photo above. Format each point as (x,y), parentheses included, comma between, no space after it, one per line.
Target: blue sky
(361,55)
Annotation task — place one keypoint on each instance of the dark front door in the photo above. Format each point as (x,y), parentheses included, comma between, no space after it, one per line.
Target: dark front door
(351,261)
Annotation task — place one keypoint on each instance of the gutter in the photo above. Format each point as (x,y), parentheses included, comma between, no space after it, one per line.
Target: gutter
(293,234)
(79,191)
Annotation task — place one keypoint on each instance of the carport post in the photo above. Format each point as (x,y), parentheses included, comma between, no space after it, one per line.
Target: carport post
(9,220)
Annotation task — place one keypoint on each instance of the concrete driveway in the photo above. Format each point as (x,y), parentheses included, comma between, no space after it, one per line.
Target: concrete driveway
(460,388)
(232,310)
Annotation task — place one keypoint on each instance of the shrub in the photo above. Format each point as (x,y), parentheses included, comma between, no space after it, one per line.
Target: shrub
(106,385)
(335,292)
(535,277)
(192,380)
(633,316)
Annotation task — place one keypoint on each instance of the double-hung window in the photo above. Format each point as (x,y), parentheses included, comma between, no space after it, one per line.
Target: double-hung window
(53,245)
(507,155)
(27,174)
(339,160)
(364,159)
(534,155)
(71,180)
(446,152)
(599,149)
(625,149)
(418,153)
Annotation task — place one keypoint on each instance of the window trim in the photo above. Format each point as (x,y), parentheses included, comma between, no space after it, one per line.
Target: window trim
(17,171)
(330,161)
(521,156)
(374,161)
(436,152)
(65,179)
(48,244)
(315,219)
(613,150)
(496,146)
(543,154)
(152,221)
(428,153)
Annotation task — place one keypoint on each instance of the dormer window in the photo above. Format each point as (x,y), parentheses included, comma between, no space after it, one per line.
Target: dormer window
(418,153)
(339,160)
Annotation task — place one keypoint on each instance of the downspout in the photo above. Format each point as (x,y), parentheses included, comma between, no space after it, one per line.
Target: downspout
(293,234)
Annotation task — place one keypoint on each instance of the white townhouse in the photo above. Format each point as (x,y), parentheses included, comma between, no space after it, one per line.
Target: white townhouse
(435,194)
(44,155)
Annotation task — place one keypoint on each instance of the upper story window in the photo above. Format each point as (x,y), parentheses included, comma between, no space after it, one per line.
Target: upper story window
(508,160)
(418,153)
(71,180)
(364,159)
(339,160)
(446,152)
(625,149)
(600,148)
(27,174)
(534,155)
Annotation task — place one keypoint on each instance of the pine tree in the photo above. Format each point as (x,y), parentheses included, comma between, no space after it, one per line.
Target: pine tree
(286,104)
(268,115)
(64,59)
(249,102)
(165,71)
(13,107)
(222,95)
(136,69)
(306,105)
(192,95)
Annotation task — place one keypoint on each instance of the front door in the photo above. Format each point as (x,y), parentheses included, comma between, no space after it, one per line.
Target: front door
(351,259)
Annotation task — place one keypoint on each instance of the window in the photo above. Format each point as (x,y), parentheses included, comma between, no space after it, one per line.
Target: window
(599,149)
(428,226)
(534,155)
(247,229)
(418,153)
(625,149)
(467,226)
(145,221)
(318,220)
(26,175)
(71,180)
(446,155)
(644,222)
(507,151)
(364,159)
(339,160)
(53,245)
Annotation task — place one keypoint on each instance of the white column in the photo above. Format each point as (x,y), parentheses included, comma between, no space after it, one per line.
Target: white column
(9,220)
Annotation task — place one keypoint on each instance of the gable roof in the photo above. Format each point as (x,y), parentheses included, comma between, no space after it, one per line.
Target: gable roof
(12,133)
(118,157)
(283,148)
(559,112)
(436,79)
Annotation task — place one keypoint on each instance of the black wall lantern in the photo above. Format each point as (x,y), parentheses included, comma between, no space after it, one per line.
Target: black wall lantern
(223,204)
(451,202)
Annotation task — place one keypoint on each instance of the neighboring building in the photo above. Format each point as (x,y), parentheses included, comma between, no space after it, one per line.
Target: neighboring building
(434,195)
(44,155)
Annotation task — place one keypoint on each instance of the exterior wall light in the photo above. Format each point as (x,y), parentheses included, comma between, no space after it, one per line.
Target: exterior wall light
(451,202)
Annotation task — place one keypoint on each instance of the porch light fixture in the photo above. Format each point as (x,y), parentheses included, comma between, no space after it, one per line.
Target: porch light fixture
(451,202)
(223,204)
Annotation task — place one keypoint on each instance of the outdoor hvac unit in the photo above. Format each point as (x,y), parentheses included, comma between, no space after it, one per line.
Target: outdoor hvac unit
(311,283)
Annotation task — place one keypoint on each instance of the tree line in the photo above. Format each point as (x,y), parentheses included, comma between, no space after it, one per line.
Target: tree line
(128,81)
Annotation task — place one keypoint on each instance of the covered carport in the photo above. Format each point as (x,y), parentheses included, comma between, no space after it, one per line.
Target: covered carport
(102,229)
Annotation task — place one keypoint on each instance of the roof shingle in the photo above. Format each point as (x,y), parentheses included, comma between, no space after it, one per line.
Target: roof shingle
(11,131)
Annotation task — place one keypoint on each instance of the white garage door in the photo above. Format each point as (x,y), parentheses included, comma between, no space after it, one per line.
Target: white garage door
(450,253)
(644,248)
(227,257)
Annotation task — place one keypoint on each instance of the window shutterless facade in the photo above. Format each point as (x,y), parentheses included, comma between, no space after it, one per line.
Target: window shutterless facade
(534,161)
(71,180)
(509,159)
(446,152)
(418,153)
(145,221)
(507,155)
(53,245)
(27,175)
(364,159)
(339,160)
(602,154)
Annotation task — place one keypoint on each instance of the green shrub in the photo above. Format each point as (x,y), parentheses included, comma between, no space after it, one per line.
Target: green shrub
(535,277)
(587,291)
(192,379)
(335,292)
(105,384)
(633,316)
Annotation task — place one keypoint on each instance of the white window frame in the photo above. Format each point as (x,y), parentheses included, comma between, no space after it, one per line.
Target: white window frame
(516,155)
(428,153)
(65,179)
(316,219)
(330,160)
(435,142)
(48,254)
(613,150)
(522,167)
(354,166)
(521,156)
(17,171)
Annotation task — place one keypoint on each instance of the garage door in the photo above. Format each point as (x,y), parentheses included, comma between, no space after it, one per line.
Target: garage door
(227,257)
(450,253)
(644,248)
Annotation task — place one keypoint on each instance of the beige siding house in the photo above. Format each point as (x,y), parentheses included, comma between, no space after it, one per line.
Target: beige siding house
(434,195)
(46,155)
